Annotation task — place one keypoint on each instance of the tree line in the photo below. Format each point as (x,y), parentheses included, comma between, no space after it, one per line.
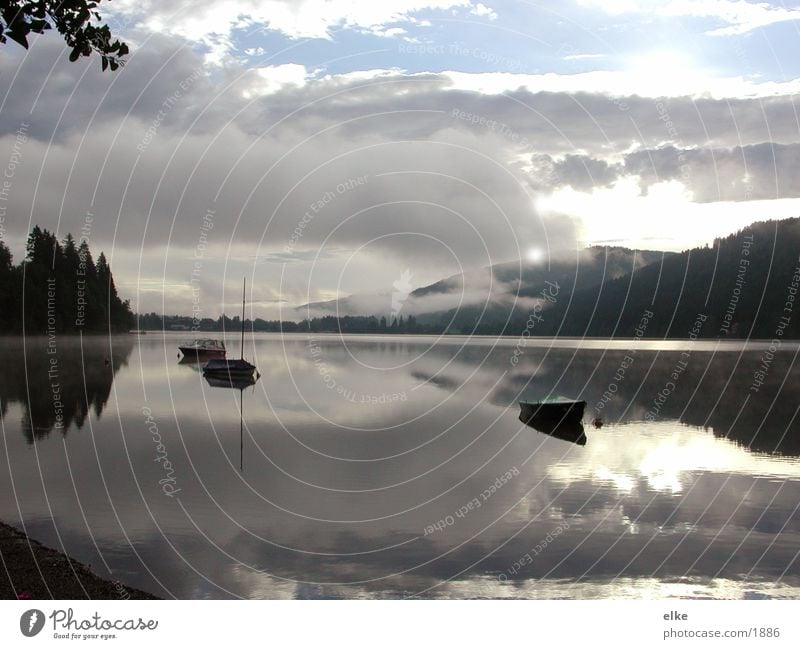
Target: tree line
(744,285)
(59,288)
(326,324)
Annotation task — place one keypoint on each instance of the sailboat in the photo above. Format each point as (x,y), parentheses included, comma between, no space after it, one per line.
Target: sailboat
(235,368)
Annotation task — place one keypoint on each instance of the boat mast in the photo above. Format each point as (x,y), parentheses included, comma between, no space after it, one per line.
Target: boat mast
(244,280)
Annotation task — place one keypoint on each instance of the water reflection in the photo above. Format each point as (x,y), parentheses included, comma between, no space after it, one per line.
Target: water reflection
(565,431)
(398,467)
(713,392)
(59,382)
(239,383)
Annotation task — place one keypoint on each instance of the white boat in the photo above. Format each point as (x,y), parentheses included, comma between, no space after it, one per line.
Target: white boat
(203,347)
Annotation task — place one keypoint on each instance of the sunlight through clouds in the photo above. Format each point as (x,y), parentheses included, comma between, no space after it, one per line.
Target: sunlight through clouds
(622,214)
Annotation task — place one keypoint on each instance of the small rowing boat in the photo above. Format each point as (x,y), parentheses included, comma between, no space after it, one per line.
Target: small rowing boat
(560,418)
(558,410)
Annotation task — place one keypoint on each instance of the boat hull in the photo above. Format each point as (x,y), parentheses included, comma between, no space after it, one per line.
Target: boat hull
(558,412)
(230,374)
(193,352)
(237,383)
(561,420)
(229,369)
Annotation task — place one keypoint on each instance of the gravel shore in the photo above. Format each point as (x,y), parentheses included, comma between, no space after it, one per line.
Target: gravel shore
(29,570)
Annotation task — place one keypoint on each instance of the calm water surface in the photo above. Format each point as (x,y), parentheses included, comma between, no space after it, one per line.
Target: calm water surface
(397,467)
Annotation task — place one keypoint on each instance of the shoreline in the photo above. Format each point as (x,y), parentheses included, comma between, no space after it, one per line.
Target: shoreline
(185,334)
(30,570)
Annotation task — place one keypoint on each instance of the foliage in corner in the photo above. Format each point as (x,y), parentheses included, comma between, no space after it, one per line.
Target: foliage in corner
(76,20)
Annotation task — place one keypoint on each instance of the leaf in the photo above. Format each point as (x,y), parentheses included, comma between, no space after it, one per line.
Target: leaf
(38,26)
(77,21)
(19,38)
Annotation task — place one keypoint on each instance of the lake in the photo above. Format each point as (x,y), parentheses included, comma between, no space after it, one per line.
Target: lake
(392,466)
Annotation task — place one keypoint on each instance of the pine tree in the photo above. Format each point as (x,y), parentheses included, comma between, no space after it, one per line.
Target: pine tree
(87,271)
(103,290)
(57,287)
(9,308)
(69,283)
(40,291)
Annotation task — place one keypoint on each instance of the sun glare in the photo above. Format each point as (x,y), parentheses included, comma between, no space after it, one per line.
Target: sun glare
(535,255)
(665,73)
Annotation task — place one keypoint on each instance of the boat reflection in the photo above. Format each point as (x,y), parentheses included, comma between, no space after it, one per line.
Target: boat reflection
(235,383)
(232,382)
(192,361)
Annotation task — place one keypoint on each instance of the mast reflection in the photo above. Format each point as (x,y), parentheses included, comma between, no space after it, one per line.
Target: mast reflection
(235,383)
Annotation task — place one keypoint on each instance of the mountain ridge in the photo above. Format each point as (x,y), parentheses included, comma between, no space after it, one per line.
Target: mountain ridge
(742,286)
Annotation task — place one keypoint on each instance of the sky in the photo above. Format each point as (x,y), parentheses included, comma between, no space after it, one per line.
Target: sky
(332,148)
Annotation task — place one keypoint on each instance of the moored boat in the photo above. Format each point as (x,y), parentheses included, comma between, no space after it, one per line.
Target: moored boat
(557,411)
(203,348)
(231,369)
(236,368)
(559,418)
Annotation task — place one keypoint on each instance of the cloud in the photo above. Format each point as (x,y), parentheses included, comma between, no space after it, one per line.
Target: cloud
(582,57)
(739,16)
(581,172)
(376,167)
(753,172)
(482,10)
(301,256)
(665,78)
(761,171)
(272,78)
(475,286)
(213,22)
